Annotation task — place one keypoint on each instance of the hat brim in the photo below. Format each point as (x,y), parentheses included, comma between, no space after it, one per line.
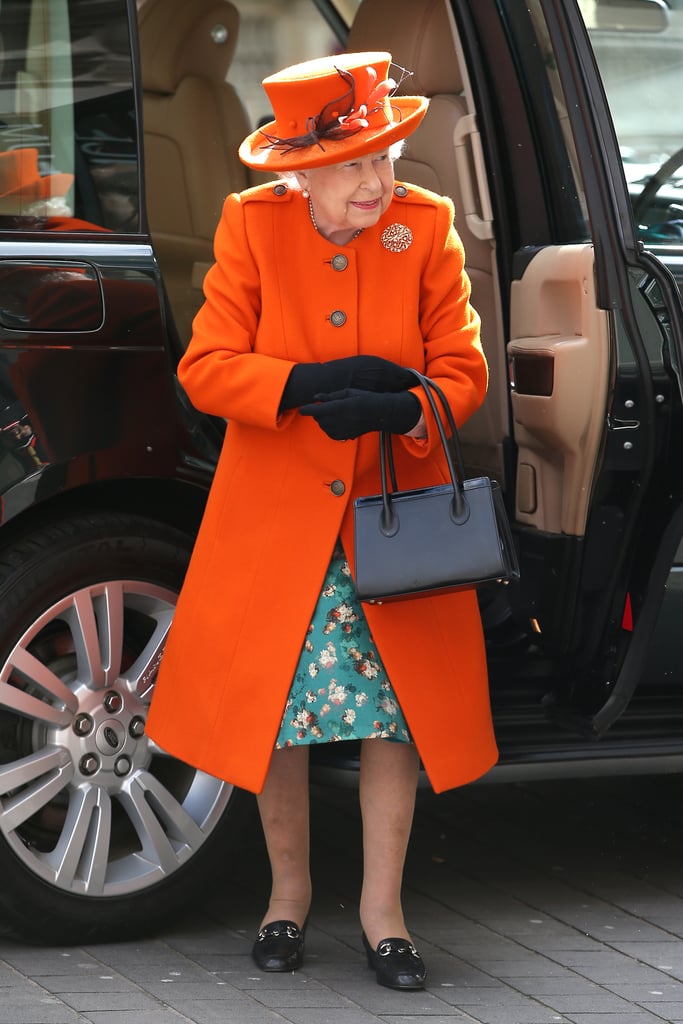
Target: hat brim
(256,152)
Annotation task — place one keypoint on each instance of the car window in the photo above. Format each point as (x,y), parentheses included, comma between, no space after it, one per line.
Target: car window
(638,45)
(68,155)
(561,162)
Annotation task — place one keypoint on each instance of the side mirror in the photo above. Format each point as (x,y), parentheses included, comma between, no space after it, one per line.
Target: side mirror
(630,15)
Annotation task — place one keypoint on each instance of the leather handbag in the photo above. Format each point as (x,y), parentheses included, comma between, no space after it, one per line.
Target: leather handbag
(448,537)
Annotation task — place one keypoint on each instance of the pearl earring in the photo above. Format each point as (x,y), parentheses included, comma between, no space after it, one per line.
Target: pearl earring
(305,193)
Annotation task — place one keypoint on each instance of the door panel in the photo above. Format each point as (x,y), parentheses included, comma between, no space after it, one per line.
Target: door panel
(559,356)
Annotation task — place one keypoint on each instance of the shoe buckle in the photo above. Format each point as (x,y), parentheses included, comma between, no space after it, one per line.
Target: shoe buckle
(268,932)
(387,947)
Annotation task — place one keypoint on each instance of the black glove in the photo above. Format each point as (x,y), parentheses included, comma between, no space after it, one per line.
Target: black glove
(369,373)
(350,413)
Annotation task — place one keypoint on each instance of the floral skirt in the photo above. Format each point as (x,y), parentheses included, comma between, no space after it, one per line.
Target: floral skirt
(340,689)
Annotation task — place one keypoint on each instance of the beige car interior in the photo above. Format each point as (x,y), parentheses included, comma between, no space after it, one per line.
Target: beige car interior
(559,357)
(440,156)
(555,321)
(559,341)
(194,121)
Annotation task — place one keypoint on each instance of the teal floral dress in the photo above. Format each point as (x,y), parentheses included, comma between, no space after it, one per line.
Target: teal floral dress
(340,689)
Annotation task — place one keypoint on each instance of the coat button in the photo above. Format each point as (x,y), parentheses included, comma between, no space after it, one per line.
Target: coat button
(337,487)
(339,262)
(401,191)
(338,318)
(280,190)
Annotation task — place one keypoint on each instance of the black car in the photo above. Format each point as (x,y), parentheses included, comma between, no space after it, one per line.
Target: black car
(119,126)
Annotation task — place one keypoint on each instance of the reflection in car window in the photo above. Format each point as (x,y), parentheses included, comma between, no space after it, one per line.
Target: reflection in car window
(639,50)
(68,155)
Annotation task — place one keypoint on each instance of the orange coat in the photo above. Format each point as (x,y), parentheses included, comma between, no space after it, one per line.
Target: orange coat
(273,514)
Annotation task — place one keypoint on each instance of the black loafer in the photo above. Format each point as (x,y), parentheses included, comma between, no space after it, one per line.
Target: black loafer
(279,946)
(396,963)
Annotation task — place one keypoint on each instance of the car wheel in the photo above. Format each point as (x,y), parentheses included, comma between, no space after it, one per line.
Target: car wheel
(102,835)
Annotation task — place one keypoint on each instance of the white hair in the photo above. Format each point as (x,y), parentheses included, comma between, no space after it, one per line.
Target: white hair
(291,180)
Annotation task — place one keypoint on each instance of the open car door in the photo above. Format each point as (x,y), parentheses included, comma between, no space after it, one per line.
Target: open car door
(593,341)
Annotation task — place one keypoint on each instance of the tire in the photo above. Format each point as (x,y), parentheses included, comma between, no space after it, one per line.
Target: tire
(102,835)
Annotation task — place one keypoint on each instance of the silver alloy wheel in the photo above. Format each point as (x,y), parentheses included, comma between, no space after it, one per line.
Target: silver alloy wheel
(87,802)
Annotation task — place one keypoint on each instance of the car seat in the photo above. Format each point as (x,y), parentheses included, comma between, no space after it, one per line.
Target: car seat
(194,122)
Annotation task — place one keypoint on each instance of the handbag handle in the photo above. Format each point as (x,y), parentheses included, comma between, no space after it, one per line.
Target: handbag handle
(456,468)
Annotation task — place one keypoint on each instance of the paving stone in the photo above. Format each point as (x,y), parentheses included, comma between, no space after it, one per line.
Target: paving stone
(156,974)
(594,1002)
(517,1015)
(392,1019)
(597,957)
(208,989)
(472,997)
(338,1016)
(655,953)
(662,991)
(301,997)
(200,1012)
(530,967)
(663,1009)
(33,961)
(636,1017)
(93,982)
(384,1001)
(624,973)
(38,1012)
(558,985)
(447,970)
(150,951)
(84,1002)
(163,1015)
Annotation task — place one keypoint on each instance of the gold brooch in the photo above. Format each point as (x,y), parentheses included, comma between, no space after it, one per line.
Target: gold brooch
(397,238)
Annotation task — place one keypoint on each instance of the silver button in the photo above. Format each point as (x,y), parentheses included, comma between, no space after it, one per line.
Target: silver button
(401,191)
(339,262)
(337,487)
(338,318)
(280,190)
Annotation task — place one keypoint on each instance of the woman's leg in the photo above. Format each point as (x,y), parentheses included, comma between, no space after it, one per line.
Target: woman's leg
(283,806)
(388,782)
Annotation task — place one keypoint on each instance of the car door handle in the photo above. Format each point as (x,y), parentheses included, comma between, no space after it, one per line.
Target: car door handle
(469,158)
(49,296)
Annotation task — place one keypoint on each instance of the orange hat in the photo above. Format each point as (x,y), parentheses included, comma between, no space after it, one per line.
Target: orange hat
(20,178)
(331,110)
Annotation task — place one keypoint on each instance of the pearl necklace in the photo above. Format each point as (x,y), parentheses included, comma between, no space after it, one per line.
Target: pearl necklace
(313,222)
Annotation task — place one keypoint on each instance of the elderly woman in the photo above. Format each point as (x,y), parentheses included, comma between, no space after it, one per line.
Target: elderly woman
(327,283)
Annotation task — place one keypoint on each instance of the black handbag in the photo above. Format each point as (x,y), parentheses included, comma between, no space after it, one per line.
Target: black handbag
(448,537)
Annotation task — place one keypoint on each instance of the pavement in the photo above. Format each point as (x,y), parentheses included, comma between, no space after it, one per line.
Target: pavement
(536,903)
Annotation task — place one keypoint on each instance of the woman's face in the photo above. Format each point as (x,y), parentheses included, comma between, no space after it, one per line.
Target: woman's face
(351,195)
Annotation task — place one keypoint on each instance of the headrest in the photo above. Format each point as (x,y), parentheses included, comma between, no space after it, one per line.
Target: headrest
(186,37)
(418,35)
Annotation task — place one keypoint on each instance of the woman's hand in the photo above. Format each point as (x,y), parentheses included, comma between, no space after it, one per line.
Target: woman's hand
(346,414)
(366,373)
